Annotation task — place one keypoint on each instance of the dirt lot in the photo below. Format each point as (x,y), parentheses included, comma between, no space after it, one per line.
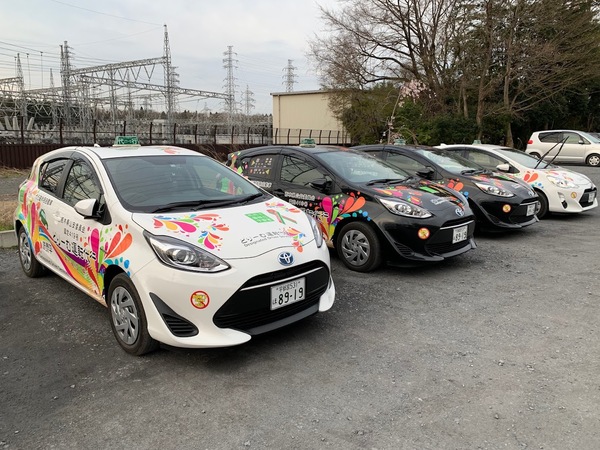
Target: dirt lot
(496,349)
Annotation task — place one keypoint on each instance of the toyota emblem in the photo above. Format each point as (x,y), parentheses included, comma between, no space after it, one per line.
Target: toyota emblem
(459,212)
(285,259)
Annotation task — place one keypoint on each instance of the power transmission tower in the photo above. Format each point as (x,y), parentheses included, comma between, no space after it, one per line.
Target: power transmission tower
(248,101)
(230,65)
(289,77)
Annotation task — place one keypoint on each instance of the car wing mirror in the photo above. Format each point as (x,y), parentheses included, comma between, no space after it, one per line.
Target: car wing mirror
(321,184)
(88,208)
(426,172)
(506,167)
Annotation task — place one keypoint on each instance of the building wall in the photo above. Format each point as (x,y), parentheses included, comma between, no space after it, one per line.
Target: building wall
(305,113)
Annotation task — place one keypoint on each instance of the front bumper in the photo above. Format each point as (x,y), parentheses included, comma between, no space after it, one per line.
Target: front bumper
(236,302)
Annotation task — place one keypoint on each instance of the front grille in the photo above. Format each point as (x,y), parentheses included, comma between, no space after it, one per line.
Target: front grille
(585,198)
(249,309)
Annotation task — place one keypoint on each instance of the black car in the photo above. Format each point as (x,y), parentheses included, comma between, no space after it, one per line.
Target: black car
(368,210)
(499,201)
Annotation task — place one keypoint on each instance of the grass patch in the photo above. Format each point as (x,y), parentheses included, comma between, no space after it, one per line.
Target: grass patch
(8,202)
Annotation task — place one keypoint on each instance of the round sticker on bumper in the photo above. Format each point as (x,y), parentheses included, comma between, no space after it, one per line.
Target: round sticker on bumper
(200,299)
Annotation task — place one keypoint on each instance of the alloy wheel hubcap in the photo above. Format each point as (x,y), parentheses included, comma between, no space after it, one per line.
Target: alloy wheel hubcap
(355,248)
(125,315)
(25,252)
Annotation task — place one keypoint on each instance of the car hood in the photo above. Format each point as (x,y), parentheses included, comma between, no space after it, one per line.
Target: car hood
(568,175)
(236,232)
(506,182)
(423,193)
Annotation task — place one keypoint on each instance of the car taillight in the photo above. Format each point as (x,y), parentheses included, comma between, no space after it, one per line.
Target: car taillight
(530,141)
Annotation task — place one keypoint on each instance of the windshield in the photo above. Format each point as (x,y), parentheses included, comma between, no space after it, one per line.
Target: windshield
(358,167)
(523,158)
(452,162)
(169,182)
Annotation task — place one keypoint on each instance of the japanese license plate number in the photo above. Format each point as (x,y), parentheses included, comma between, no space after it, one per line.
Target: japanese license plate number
(459,234)
(287,293)
(530,210)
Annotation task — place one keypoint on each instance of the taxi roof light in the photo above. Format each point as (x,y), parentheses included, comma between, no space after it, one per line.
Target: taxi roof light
(126,141)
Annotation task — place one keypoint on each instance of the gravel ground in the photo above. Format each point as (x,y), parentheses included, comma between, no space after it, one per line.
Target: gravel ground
(495,349)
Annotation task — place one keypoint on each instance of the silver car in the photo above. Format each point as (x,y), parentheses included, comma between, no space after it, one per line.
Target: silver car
(565,146)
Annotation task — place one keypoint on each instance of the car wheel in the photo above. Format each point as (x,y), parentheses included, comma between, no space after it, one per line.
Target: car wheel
(127,317)
(593,160)
(543,212)
(29,263)
(358,247)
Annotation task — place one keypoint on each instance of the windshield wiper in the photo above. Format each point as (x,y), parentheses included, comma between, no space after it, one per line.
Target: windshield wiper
(250,197)
(387,181)
(194,205)
(473,171)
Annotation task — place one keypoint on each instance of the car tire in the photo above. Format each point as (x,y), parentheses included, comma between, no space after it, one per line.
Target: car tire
(29,263)
(543,212)
(127,317)
(358,247)
(593,160)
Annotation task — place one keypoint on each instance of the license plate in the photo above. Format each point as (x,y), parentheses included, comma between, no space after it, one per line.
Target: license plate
(459,234)
(287,293)
(592,196)
(530,210)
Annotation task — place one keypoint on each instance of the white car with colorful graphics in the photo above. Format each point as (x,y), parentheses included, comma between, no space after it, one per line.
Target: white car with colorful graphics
(181,249)
(560,190)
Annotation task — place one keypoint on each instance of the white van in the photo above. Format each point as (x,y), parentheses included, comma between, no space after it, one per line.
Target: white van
(565,146)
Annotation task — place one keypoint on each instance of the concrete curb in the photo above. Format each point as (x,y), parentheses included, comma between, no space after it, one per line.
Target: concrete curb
(8,239)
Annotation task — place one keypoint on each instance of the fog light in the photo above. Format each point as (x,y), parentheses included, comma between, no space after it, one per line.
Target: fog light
(506,208)
(423,233)
(573,194)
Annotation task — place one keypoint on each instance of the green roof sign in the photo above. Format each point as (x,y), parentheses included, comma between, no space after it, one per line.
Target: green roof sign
(126,140)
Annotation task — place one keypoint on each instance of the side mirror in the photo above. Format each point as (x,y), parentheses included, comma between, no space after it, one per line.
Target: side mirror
(321,184)
(426,172)
(88,208)
(506,168)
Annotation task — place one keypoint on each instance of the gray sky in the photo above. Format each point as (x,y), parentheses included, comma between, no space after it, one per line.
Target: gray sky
(264,34)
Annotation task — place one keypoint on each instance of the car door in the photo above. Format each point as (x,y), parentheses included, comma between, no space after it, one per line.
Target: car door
(573,149)
(44,211)
(75,236)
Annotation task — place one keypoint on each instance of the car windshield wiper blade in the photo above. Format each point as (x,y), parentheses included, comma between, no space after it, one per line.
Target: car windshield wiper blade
(387,181)
(194,205)
(473,171)
(250,197)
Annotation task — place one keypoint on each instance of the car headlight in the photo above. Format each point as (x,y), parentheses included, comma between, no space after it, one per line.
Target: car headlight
(561,182)
(406,209)
(316,231)
(181,255)
(494,190)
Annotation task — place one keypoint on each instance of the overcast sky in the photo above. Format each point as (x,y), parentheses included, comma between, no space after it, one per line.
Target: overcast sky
(264,35)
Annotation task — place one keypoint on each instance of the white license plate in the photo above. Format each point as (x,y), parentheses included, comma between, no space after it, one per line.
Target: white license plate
(459,234)
(592,196)
(287,293)
(530,210)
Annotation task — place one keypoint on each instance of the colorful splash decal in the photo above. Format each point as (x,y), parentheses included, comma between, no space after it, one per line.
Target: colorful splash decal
(83,252)
(208,225)
(532,178)
(337,208)
(457,185)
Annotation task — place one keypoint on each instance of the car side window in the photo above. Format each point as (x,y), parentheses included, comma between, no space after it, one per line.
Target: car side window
(404,162)
(552,137)
(572,138)
(259,166)
(298,171)
(51,173)
(81,184)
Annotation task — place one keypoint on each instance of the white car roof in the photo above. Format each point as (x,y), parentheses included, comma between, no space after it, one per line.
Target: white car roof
(125,151)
